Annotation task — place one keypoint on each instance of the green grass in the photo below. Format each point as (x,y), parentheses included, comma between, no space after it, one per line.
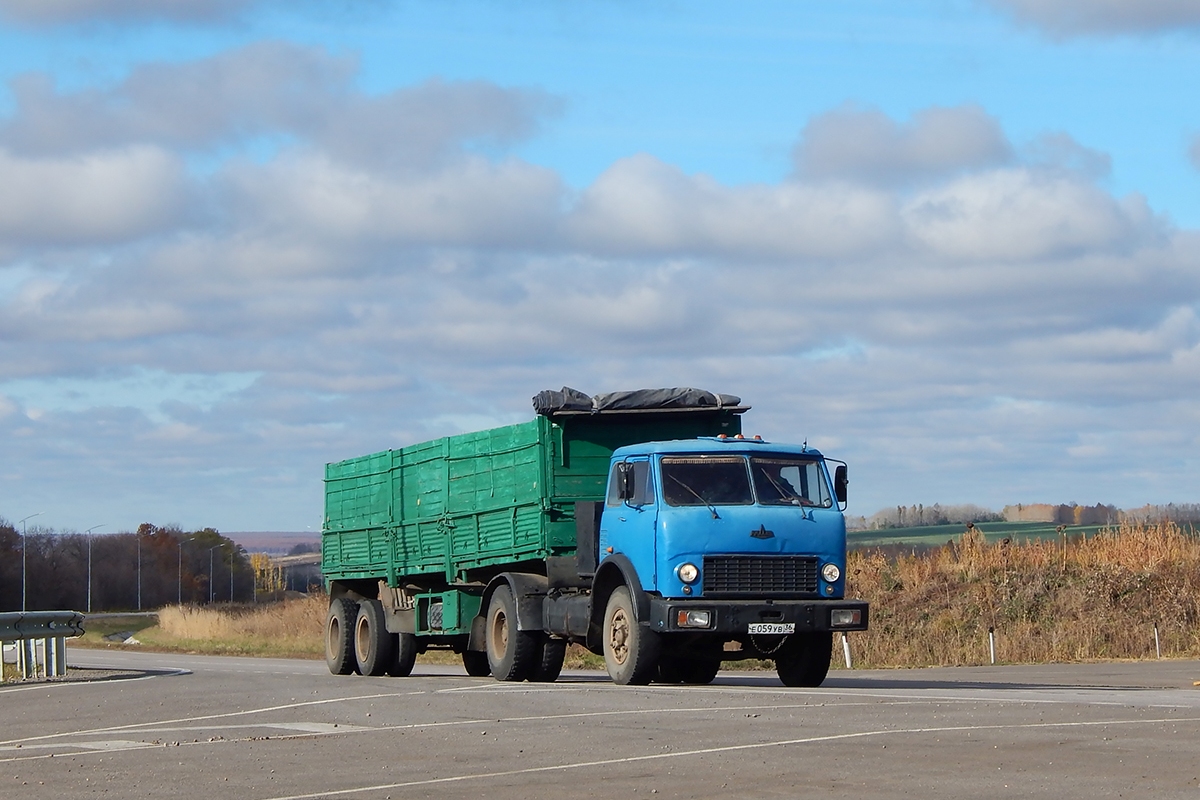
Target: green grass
(97,628)
(937,535)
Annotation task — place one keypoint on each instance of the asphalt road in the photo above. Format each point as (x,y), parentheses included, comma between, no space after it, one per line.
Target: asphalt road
(262,729)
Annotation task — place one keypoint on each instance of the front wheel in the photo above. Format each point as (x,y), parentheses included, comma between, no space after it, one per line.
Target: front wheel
(630,650)
(804,659)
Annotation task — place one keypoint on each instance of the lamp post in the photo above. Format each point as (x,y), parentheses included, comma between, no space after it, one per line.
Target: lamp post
(88,533)
(211,588)
(24,548)
(138,535)
(179,601)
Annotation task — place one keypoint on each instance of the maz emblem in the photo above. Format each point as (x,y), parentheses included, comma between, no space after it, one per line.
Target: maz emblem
(763,533)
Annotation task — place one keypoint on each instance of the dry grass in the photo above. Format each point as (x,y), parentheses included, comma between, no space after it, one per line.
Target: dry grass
(1072,599)
(289,628)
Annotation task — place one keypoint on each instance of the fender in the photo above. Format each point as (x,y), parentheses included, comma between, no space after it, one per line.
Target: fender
(529,590)
(612,572)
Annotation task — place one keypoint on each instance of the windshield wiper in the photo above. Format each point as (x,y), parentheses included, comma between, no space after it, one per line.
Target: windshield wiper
(786,493)
(696,494)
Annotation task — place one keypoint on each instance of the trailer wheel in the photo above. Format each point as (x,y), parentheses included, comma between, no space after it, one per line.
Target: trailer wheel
(374,647)
(476,663)
(511,653)
(339,644)
(630,650)
(804,659)
(550,661)
(406,655)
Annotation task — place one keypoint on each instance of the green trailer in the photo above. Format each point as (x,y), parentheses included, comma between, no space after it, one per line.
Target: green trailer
(413,537)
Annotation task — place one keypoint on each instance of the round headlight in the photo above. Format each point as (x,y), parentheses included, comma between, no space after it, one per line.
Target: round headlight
(688,573)
(831,573)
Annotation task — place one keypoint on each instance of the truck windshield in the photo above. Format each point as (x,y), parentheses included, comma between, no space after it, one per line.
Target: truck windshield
(706,481)
(784,480)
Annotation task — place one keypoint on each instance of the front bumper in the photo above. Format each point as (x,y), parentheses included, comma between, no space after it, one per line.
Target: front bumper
(735,616)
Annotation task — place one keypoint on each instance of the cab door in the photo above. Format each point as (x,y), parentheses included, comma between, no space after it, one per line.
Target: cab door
(630,517)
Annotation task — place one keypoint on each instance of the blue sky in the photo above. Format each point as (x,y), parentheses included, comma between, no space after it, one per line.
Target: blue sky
(954,243)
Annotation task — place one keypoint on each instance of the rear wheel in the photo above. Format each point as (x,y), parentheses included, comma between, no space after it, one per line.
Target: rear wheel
(550,661)
(511,653)
(476,663)
(339,644)
(804,659)
(374,647)
(406,655)
(630,650)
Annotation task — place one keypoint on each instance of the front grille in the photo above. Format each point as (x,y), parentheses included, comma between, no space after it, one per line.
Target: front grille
(759,575)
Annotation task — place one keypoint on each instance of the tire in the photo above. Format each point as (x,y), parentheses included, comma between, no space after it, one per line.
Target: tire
(374,647)
(670,670)
(476,664)
(678,670)
(339,642)
(550,661)
(701,672)
(512,654)
(406,655)
(804,659)
(631,650)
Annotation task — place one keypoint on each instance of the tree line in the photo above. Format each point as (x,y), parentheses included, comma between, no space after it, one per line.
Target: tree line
(147,569)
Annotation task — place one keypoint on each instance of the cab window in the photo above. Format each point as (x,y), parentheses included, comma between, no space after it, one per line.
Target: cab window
(705,481)
(643,486)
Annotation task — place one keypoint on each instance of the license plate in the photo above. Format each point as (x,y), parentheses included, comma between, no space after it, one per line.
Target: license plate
(772,627)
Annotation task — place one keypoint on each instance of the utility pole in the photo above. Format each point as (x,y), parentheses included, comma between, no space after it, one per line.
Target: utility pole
(88,533)
(211,588)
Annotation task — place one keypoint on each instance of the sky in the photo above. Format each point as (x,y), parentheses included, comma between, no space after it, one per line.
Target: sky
(955,243)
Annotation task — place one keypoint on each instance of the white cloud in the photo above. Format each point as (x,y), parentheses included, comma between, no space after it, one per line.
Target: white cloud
(1077,17)
(99,197)
(274,92)
(865,145)
(471,202)
(641,205)
(1022,214)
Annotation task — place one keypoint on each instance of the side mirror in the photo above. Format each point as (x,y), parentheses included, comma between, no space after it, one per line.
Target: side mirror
(625,477)
(840,482)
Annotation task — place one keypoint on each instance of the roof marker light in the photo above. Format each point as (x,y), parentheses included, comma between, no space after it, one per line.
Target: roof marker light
(739,436)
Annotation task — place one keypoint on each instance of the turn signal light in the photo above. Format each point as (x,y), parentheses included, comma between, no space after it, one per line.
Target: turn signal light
(845,617)
(693,619)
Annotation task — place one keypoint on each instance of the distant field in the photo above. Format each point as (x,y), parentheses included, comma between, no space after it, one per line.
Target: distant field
(934,535)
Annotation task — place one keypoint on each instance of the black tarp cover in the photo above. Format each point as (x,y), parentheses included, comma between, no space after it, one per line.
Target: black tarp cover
(550,402)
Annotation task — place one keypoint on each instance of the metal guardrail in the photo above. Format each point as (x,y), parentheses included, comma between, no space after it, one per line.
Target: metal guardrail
(51,628)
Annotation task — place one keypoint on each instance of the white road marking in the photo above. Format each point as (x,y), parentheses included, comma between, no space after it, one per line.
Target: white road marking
(715,750)
(266,709)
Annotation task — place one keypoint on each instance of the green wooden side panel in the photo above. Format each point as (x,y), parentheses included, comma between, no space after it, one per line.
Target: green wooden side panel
(443,508)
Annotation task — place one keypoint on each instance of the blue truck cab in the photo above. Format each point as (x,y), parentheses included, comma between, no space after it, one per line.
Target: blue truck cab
(729,547)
